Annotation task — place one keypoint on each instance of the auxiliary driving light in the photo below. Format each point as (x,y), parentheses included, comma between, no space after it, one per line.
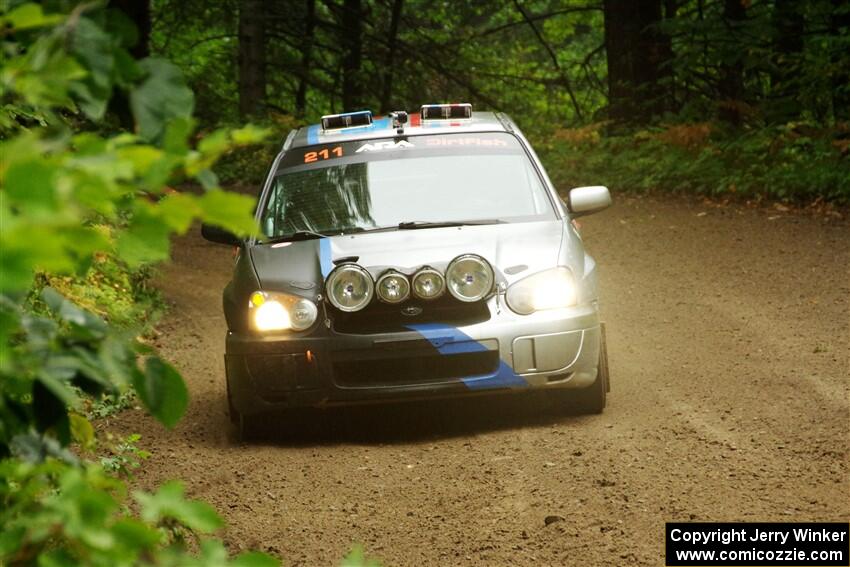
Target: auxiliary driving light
(445,111)
(350,287)
(346,120)
(428,283)
(469,278)
(393,287)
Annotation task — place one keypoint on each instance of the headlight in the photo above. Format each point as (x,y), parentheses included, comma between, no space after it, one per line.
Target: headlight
(280,311)
(393,287)
(469,278)
(428,283)
(546,290)
(350,287)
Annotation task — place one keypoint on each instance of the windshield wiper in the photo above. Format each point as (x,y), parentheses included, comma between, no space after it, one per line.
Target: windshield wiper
(293,236)
(408,225)
(413,225)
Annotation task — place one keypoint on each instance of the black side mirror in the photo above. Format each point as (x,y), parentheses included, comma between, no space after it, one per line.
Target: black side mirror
(219,235)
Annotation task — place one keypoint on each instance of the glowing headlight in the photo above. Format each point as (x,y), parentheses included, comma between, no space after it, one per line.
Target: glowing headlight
(279,312)
(545,290)
(393,287)
(350,287)
(469,278)
(428,283)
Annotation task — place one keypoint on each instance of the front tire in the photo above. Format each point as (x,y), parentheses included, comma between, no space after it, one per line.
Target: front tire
(250,427)
(592,400)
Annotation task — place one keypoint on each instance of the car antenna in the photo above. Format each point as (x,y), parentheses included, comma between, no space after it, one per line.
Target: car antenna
(399,120)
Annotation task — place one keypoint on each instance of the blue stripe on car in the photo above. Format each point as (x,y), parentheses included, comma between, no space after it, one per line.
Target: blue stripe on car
(325,260)
(313,134)
(450,340)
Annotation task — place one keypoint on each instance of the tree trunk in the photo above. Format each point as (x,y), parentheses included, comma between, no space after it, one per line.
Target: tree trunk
(351,39)
(731,84)
(789,26)
(840,25)
(252,58)
(306,57)
(637,52)
(140,12)
(389,64)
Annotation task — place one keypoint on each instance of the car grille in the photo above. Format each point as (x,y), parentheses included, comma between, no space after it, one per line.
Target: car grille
(415,369)
(380,317)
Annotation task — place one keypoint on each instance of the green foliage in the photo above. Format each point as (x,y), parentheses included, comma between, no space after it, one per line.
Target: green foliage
(124,457)
(87,213)
(122,296)
(109,404)
(55,514)
(794,162)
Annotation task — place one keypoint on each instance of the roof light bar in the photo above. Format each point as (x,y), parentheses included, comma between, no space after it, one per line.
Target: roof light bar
(445,111)
(346,120)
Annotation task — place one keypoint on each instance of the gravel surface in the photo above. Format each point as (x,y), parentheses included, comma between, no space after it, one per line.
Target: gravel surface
(730,355)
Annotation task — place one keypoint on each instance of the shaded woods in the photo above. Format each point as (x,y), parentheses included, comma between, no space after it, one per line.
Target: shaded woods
(771,74)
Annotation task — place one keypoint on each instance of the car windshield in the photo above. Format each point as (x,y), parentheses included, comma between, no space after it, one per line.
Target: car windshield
(381,184)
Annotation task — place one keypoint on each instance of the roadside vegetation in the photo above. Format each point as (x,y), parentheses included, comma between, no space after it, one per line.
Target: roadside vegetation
(715,97)
(85,210)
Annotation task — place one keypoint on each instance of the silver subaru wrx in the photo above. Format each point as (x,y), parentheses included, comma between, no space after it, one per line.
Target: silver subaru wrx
(412,256)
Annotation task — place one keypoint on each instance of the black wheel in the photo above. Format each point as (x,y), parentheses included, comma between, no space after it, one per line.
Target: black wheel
(231,411)
(247,427)
(592,399)
(250,427)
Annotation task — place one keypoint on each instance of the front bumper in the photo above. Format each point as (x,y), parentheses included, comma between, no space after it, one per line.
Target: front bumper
(509,352)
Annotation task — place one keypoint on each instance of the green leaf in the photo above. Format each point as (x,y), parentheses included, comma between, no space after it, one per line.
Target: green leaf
(82,431)
(162,390)
(255,559)
(178,210)
(28,16)
(162,96)
(169,502)
(357,558)
(229,210)
(208,179)
(95,48)
(133,534)
(176,134)
(145,240)
(70,313)
(249,134)
(31,185)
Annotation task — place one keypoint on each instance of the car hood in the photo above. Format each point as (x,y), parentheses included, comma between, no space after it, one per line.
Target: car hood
(515,250)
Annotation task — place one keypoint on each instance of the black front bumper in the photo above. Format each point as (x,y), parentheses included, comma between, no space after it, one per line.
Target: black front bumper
(265,374)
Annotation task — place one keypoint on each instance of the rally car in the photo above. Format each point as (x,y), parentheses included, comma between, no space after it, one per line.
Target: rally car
(409,257)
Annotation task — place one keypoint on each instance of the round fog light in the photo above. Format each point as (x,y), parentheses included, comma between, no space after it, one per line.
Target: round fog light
(469,278)
(350,287)
(393,287)
(428,283)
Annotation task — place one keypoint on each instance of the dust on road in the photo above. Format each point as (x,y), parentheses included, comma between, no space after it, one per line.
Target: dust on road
(730,355)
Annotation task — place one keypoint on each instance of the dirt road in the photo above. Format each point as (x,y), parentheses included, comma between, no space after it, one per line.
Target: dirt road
(730,359)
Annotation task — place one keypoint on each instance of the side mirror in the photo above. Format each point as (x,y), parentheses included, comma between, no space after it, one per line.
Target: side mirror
(587,200)
(219,235)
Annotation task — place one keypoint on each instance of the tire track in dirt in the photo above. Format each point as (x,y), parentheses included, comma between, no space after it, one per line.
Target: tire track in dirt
(730,356)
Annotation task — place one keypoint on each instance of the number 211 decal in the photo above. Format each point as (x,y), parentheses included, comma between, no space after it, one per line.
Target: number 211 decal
(324,154)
